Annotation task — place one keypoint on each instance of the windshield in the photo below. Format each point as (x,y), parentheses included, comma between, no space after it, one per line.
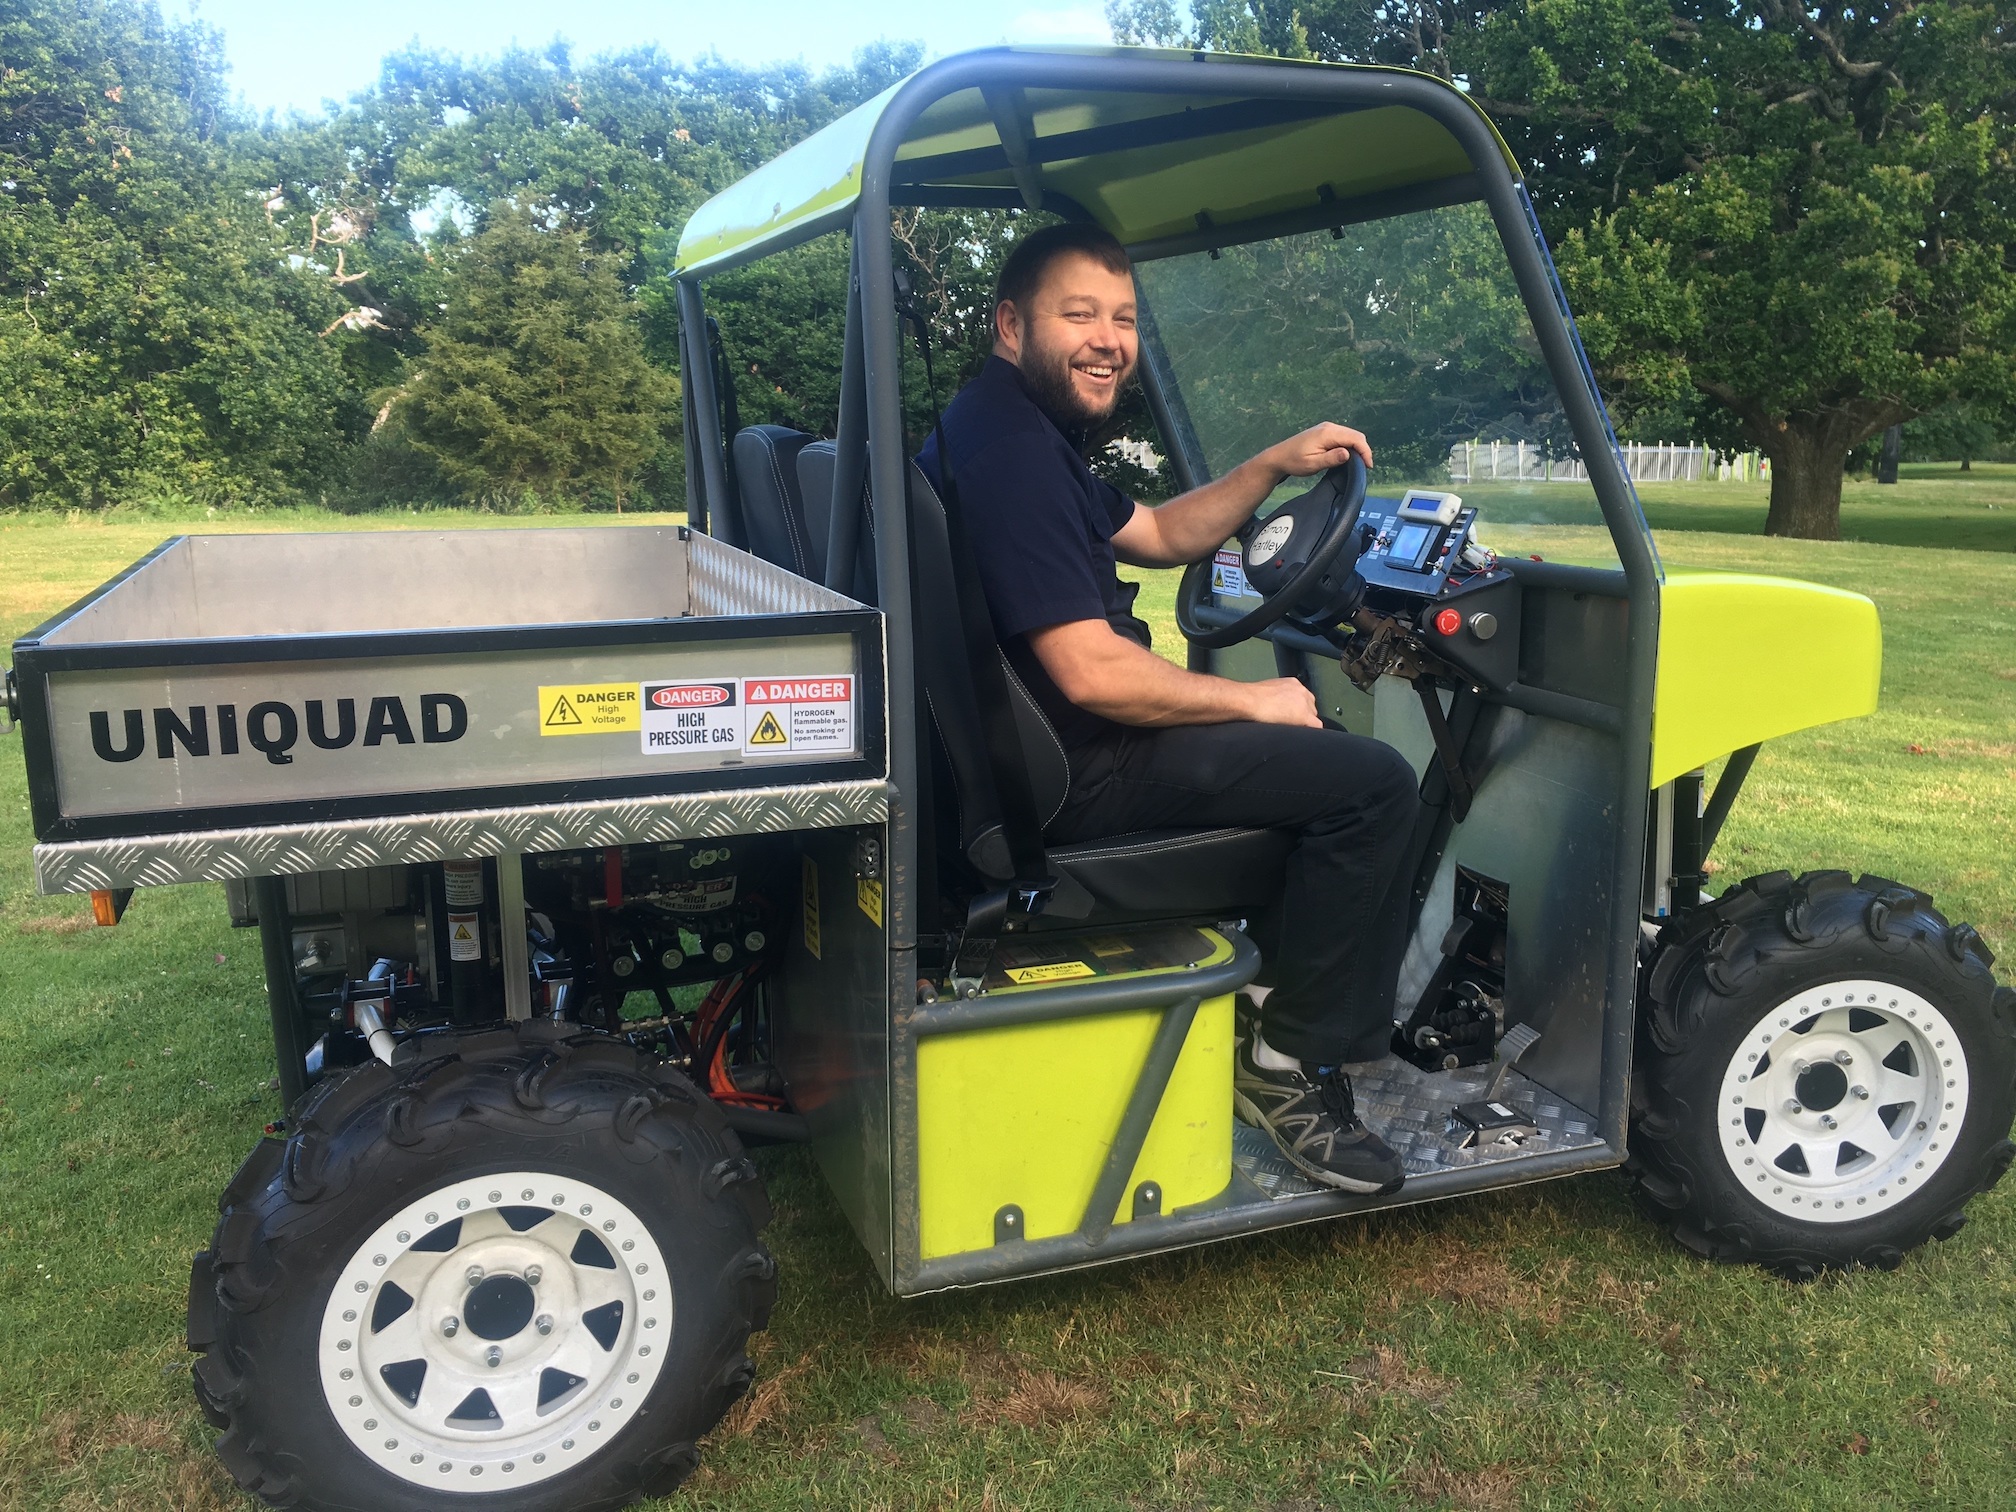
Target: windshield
(1410,329)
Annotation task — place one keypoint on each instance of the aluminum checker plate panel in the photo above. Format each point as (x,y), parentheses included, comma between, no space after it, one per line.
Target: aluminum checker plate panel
(221,855)
(1409,1109)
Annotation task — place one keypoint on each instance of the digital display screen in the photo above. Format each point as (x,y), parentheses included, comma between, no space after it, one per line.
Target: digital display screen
(1410,542)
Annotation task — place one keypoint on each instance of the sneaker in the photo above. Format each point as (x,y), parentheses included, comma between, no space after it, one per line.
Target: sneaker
(1311,1117)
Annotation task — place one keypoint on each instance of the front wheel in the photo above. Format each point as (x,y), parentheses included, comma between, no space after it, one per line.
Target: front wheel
(1826,1073)
(517,1269)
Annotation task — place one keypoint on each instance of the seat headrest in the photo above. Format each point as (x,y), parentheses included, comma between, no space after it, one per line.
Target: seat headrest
(773,511)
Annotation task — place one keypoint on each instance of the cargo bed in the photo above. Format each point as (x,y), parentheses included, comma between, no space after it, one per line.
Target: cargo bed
(251,704)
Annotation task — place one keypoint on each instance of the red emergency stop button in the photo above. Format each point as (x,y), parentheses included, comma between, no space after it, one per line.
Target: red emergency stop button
(1448,622)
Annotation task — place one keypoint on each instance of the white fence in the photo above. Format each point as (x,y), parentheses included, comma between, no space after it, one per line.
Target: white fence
(1654,462)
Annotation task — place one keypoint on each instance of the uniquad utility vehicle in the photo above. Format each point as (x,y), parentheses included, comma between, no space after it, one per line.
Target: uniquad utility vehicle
(581,857)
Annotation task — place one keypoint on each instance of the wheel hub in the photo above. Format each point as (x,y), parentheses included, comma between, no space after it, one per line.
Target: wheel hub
(1821,1087)
(1843,1101)
(495,1332)
(499,1307)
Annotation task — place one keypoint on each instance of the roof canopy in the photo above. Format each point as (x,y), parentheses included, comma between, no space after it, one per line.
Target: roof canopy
(1156,166)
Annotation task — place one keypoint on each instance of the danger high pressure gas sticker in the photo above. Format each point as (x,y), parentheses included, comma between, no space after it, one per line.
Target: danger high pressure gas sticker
(686,717)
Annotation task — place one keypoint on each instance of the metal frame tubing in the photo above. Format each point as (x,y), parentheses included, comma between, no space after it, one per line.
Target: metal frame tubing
(1234,1215)
(704,415)
(850,442)
(1069,1000)
(283,1006)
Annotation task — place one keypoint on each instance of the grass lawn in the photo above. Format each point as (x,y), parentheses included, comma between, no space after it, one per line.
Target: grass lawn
(1541,1348)
(1932,504)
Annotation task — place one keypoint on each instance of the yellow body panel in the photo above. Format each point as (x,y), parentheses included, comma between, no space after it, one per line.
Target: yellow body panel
(1744,658)
(1026,1115)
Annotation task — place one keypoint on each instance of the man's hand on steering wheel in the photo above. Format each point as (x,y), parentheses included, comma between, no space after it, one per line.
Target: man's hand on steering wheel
(1317,449)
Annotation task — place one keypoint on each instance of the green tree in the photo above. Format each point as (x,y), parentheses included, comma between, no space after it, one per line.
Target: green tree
(1801,214)
(1789,218)
(535,379)
(152,335)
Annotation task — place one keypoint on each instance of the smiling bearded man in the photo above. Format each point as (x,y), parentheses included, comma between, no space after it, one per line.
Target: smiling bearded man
(1151,745)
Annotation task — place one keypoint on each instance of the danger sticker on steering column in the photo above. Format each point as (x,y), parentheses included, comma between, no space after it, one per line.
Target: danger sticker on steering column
(797,715)
(1228,574)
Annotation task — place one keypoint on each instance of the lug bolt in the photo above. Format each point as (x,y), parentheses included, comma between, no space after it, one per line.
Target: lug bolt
(1843,1058)
(672,960)
(724,952)
(1793,1105)
(1827,1120)
(451,1326)
(1861,1092)
(473,1274)
(1798,1066)
(754,941)
(623,965)
(494,1355)
(532,1275)
(544,1323)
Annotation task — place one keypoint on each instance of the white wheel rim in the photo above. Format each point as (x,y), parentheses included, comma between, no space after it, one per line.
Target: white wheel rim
(1843,1101)
(424,1402)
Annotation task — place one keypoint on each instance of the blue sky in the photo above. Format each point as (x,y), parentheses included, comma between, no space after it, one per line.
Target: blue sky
(293,55)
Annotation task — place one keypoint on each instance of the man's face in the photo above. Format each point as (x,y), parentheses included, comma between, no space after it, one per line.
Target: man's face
(1075,341)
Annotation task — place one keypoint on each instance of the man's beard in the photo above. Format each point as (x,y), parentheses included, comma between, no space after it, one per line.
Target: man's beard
(1048,377)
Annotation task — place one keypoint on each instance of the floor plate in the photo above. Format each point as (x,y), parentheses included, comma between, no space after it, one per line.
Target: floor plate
(1409,1109)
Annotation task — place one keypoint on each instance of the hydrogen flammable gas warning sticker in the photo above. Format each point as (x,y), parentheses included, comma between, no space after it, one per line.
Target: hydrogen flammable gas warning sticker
(1228,574)
(797,715)
(588,709)
(686,717)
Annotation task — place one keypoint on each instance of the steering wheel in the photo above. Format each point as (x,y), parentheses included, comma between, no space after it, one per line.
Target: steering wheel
(1286,557)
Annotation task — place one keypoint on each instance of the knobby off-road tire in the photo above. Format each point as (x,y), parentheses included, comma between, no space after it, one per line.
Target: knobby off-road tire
(1824,1077)
(517,1269)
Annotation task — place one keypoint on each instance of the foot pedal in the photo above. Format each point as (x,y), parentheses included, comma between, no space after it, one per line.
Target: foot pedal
(1491,1121)
(1517,1041)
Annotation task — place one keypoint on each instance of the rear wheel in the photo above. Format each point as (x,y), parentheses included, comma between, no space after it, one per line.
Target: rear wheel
(1825,1075)
(517,1270)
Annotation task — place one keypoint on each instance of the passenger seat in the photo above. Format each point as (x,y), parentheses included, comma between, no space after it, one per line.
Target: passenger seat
(773,512)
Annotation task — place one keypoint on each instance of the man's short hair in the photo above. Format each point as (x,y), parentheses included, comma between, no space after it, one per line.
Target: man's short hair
(1027,266)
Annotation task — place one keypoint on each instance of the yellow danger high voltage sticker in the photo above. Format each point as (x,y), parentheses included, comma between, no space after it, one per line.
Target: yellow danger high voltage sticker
(590,709)
(1060,971)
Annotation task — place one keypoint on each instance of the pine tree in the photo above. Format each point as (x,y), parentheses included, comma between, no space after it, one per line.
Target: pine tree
(535,380)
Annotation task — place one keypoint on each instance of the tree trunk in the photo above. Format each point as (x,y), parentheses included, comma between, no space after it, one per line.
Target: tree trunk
(1806,468)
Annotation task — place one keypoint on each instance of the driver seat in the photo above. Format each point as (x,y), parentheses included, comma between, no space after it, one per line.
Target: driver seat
(1174,873)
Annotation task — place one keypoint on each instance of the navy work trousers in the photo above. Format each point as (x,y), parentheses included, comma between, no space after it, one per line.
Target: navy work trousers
(1338,931)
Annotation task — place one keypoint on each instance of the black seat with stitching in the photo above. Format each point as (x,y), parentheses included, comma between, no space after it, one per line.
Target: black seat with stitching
(773,512)
(1172,873)
(816,465)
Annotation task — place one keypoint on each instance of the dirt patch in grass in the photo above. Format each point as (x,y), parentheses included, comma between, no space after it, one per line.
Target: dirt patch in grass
(1447,1269)
(769,1399)
(1494,1488)
(55,924)
(173,1473)
(1041,1399)
(1385,1370)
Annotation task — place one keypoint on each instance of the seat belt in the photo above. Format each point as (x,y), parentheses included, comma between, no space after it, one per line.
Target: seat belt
(998,911)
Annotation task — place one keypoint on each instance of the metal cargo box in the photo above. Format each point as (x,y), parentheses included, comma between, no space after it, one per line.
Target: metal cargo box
(231,682)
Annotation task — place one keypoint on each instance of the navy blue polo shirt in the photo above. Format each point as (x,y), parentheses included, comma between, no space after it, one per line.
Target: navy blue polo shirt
(1041,525)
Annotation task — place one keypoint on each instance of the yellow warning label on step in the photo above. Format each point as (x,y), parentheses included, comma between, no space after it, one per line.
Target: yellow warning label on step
(589,709)
(1062,971)
(868,898)
(768,731)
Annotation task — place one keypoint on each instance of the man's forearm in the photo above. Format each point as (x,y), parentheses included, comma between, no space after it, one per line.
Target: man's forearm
(1192,524)
(1108,675)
